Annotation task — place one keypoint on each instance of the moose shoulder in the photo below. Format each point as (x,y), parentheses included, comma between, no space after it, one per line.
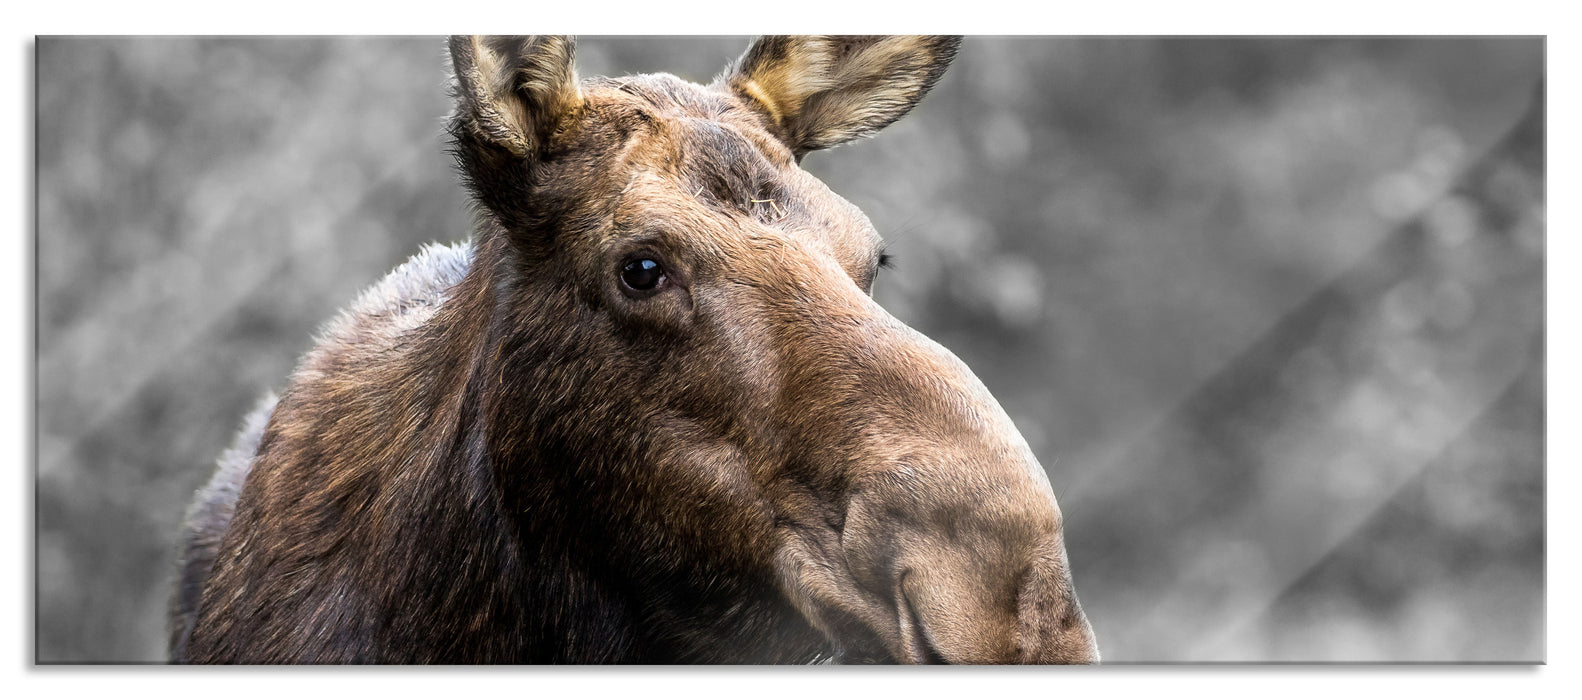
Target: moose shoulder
(649,413)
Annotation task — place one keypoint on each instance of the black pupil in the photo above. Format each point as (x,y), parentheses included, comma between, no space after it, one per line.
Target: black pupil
(642,274)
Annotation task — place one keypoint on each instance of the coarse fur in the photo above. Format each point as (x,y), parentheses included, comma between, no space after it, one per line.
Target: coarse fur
(508,452)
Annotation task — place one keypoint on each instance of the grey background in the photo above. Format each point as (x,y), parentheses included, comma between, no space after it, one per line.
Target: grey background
(1269,311)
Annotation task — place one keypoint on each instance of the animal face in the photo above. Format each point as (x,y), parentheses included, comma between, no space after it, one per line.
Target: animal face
(695,371)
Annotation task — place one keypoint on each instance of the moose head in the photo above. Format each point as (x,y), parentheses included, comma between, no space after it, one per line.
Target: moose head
(660,372)
(702,348)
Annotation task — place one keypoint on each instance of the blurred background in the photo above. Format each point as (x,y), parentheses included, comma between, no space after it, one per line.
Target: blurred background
(1269,311)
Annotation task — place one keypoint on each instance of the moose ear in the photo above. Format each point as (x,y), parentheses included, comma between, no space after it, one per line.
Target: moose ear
(822,91)
(511,91)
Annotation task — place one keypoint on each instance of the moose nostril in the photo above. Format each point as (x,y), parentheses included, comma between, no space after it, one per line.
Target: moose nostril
(1053,627)
(915,639)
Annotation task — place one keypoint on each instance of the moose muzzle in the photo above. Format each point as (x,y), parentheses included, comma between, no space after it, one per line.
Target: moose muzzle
(940,540)
(971,573)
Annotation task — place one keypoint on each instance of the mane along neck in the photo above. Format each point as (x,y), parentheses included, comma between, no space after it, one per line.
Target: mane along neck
(430,491)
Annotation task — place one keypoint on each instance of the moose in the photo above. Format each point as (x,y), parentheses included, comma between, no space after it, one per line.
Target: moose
(648,413)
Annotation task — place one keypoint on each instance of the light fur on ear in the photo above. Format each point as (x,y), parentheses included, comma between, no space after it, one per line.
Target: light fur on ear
(511,91)
(822,91)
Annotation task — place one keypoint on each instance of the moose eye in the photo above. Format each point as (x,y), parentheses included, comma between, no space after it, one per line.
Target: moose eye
(642,274)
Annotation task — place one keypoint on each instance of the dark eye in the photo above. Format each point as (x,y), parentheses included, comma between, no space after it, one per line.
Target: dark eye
(642,274)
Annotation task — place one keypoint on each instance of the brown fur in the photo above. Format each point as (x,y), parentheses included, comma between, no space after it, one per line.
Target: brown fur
(502,455)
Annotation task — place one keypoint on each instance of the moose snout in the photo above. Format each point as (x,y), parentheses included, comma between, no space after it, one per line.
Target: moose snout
(943,617)
(950,547)
(977,580)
